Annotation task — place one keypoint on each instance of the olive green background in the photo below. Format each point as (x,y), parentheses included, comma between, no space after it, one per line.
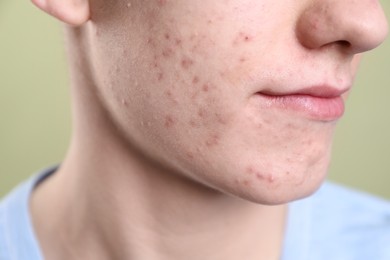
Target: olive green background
(35,117)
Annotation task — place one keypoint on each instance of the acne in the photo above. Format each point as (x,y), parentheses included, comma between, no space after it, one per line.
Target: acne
(242,59)
(205,87)
(162,2)
(169,121)
(195,80)
(124,102)
(212,140)
(221,119)
(202,112)
(178,42)
(246,183)
(190,155)
(250,170)
(242,37)
(171,97)
(265,177)
(160,76)
(150,42)
(168,52)
(186,63)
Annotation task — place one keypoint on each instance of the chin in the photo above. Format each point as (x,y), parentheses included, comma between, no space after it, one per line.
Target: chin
(282,194)
(284,185)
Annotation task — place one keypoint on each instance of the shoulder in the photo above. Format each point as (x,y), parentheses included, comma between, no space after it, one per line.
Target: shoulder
(352,223)
(17,238)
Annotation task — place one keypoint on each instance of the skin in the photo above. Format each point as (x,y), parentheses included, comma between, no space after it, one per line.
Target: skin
(174,155)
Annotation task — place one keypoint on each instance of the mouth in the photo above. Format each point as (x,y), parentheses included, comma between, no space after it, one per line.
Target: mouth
(320,103)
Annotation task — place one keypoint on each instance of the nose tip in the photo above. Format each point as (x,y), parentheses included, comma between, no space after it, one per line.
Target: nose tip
(357,26)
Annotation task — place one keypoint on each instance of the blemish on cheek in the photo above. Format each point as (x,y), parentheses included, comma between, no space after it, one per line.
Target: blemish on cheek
(195,80)
(168,52)
(160,76)
(221,119)
(124,102)
(205,87)
(242,37)
(193,123)
(169,121)
(260,176)
(186,63)
(190,155)
(242,59)
(150,42)
(178,42)
(263,177)
(250,170)
(201,112)
(247,183)
(246,37)
(171,97)
(212,140)
(162,2)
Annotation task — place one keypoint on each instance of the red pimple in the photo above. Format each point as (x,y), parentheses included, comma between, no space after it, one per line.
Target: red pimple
(201,112)
(206,87)
(160,76)
(260,176)
(150,42)
(168,52)
(186,63)
(124,102)
(242,37)
(250,170)
(212,140)
(169,121)
(178,42)
(242,59)
(220,119)
(190,155)
(162,2)
(247,183)
(271,178)
(195,80)
(193,123)
(171,97)
(245,37)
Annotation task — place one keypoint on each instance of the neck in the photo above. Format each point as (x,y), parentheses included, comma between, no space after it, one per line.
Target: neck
(110,204)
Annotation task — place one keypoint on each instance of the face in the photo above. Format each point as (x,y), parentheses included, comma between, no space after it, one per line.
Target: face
(241,96)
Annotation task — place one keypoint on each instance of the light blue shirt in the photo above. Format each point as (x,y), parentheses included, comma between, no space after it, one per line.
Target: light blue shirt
(334,224)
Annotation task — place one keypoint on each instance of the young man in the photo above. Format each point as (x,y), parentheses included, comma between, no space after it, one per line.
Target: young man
(196,126)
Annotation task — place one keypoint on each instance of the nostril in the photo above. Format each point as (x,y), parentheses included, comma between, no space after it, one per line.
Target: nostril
(344,43)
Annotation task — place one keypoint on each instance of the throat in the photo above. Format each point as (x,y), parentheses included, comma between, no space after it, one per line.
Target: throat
(143,219)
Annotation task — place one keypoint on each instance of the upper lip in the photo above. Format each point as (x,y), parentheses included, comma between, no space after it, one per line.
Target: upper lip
(315,91)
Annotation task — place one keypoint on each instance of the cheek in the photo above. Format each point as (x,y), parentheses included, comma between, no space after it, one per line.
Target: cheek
(183,87)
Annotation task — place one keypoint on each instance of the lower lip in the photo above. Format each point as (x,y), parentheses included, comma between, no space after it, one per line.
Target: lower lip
(315,108)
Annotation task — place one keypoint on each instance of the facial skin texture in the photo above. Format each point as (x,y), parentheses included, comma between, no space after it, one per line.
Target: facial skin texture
(171,142)
(182,78)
